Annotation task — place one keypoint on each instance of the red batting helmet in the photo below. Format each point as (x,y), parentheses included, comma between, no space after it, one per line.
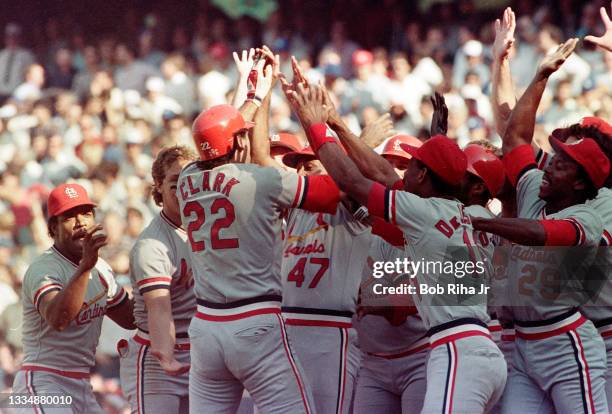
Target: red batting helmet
(213,130)
(393,147)
(285,140)
(485,165)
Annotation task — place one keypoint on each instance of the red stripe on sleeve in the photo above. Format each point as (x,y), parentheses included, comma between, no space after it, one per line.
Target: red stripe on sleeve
(518,161)
(163,279)
(376,201)
(390,233)
(560,232)
(322,195)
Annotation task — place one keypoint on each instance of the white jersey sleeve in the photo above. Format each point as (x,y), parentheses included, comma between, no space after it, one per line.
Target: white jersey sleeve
(151,265)
(42,278)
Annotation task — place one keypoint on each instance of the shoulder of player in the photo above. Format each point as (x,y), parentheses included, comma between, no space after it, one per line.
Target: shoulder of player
(603,203)
(479,211)
(150,241)
(45,263)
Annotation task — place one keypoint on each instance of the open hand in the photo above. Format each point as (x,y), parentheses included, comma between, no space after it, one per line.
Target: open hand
(309,105)
(504,35)
(377,131)
(552,62)
(439,119)
(244,62)
(605,41)
(169,364)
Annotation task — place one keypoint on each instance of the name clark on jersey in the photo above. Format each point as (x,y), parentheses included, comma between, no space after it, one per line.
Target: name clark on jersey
(218,183)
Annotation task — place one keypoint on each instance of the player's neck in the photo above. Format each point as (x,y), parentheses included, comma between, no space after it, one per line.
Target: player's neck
(555,206)
(172,217)
(74,258)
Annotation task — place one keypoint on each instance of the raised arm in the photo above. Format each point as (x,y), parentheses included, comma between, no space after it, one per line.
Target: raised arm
(309,106)
(503,99)
(244,64)
(260,143)
(439,119)
(522,121)
(605,41)
(370,164)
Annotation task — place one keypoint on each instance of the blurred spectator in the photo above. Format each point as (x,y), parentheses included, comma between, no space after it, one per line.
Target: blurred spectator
(62,72)
(14,60)
(178,85)
(31,89)
(130,73)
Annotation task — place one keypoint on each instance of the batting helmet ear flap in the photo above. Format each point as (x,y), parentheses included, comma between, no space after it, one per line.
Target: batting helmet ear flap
(213,131)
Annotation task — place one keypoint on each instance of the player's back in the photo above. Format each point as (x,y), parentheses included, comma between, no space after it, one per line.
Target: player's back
(439,236)
(323,255)
(232,217)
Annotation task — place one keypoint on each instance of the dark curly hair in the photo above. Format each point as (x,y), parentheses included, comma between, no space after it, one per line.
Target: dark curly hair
(164,160)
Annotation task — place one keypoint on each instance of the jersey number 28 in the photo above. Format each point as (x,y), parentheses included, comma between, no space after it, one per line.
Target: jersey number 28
(194,207)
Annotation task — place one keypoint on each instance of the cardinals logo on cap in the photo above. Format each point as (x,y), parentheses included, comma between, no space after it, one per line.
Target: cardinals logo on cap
(396,145)
(71,192)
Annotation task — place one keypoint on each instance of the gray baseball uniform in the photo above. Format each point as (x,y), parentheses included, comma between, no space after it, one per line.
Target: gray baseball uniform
(232,217)
(599,309)
(439,231)
(60,361)
(323,257)
(392,376)
(158,259)
(547,323)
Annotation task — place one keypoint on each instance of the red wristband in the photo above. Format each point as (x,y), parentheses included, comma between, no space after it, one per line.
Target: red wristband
(560,233)
(318,136)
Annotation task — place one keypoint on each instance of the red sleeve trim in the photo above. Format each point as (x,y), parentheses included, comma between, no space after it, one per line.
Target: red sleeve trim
(561,233)
(321,194)
(318,136)
(119,298)
(299,192)
(40,293)
(377,201)
(518,161)
(390,233)
(398,185)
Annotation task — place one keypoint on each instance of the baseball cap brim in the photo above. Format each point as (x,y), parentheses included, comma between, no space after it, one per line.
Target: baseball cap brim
(292,159)
(280,144)
(73,204)
(412,150)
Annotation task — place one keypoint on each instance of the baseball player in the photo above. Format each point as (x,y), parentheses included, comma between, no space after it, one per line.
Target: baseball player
(155,362)
(231,211)
(67,290)
(466,371)
(599,308)
(323,255)
(551,212)
(392,377)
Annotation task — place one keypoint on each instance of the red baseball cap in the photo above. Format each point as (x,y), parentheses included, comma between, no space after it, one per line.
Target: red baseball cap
(285,140)
(362,57)
(291,159)
(597,122)
(443,156)
(588,155)
(65,197)
(393,146)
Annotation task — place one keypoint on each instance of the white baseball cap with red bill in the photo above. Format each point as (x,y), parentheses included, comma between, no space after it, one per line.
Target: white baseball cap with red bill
(65,197)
